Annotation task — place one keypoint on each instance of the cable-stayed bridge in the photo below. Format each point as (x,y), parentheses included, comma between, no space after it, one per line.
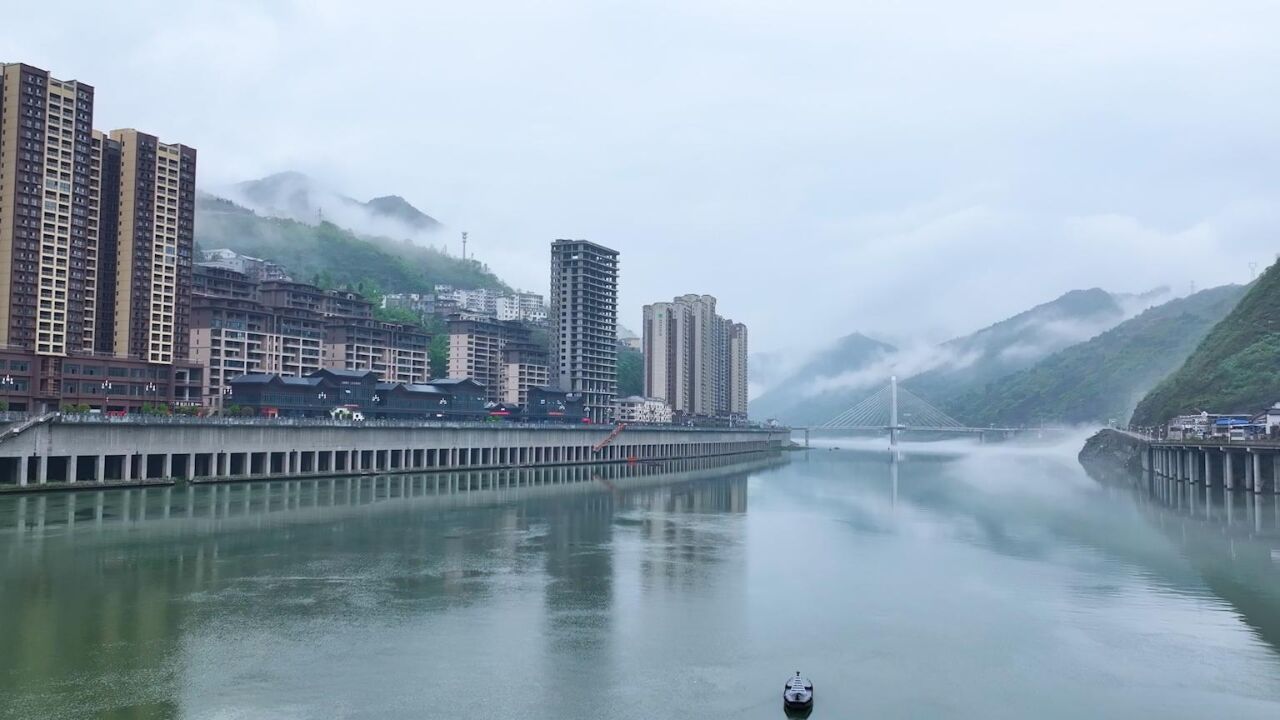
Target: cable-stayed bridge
(896,410)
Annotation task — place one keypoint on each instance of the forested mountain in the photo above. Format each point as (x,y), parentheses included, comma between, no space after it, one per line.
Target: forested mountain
(968,363)
(1103,378)
(1236,368)
(330,255)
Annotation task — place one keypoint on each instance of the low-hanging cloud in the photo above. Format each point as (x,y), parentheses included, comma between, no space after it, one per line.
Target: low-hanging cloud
(850,166)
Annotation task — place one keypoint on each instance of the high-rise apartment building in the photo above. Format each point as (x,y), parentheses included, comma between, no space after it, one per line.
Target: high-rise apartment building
(694,359)
(738,370)
(46,186)
(96,234)
(584,322)
(154,246)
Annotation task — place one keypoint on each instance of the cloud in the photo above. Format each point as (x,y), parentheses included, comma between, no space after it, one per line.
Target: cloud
(913,169)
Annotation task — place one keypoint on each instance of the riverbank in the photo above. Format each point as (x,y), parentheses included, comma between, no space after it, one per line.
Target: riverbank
(1113,455)
(71,452)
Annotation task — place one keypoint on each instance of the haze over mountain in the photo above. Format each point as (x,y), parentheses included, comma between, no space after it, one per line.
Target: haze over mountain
(840,376)
(295,196)
(967,177)
(333,255)
(785,401)
(1101,379)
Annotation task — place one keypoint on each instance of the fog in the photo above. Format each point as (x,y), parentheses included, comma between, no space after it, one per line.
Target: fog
(911,170)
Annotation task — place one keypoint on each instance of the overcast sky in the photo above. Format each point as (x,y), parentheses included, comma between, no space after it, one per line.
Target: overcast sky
(908,169)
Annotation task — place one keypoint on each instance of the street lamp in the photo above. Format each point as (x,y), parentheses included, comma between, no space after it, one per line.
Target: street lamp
(106,396)
(8,382)
(150,390)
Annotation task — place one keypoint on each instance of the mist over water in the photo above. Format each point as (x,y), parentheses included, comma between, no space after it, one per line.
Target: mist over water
(963,580)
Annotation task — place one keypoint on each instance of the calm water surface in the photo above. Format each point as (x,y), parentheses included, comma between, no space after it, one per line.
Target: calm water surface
(993,583)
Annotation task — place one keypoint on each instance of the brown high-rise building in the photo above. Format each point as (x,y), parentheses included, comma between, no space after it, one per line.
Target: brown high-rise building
(47,183)
(96,238)
(154,244)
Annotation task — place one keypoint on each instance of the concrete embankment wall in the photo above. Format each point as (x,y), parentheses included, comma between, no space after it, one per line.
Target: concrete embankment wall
(65,452)
(1247,465)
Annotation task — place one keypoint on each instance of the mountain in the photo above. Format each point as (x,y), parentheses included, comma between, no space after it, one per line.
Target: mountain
(972,361)
(943,373)
(1235,368)
(331,255)
(1102,378)
(797,400)
(294,196)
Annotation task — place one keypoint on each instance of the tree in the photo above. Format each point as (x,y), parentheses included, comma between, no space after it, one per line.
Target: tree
(630,372)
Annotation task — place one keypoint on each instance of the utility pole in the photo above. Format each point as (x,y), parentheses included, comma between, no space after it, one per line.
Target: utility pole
(464,245)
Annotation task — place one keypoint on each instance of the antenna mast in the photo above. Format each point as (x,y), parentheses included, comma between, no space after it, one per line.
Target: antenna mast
(464,245)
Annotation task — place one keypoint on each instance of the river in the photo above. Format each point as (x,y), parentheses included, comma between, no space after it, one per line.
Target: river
(962,582)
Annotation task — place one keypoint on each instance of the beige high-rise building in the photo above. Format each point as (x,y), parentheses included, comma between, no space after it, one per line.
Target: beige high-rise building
(738,370)
(691,358)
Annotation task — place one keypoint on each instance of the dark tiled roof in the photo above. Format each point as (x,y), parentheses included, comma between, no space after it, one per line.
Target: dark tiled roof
(446,382)
(253,379)
(340,372)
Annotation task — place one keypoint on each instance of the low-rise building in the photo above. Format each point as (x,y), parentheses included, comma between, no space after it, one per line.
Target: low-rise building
(637,409)
(501,356)
(293,329)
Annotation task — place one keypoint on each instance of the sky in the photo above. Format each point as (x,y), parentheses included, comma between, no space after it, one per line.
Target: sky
(910,170)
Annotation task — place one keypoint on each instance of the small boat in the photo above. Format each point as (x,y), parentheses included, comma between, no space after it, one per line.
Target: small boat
(797,694)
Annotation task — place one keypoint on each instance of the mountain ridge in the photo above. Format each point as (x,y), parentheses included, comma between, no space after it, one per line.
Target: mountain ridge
(1102,378)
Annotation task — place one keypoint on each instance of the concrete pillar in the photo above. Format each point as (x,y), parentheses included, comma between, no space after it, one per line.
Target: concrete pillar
(1208,468)
(168,465)
(1228,471)
(126,468)
(1257,472)
(42,469)
(189,472)
(100,469)
(73,468)
(1248,470)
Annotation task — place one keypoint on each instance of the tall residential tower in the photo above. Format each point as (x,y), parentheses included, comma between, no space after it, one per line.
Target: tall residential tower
(584,322)
(694,359)
(96,236)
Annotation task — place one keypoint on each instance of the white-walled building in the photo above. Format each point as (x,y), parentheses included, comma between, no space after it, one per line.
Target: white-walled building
(636,409)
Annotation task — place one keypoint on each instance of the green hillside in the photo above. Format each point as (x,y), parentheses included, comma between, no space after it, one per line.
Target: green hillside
(1236,368)
(333,256)
(1102,378)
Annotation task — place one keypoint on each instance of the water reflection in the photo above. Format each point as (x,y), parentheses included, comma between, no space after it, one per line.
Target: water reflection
(121,603)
